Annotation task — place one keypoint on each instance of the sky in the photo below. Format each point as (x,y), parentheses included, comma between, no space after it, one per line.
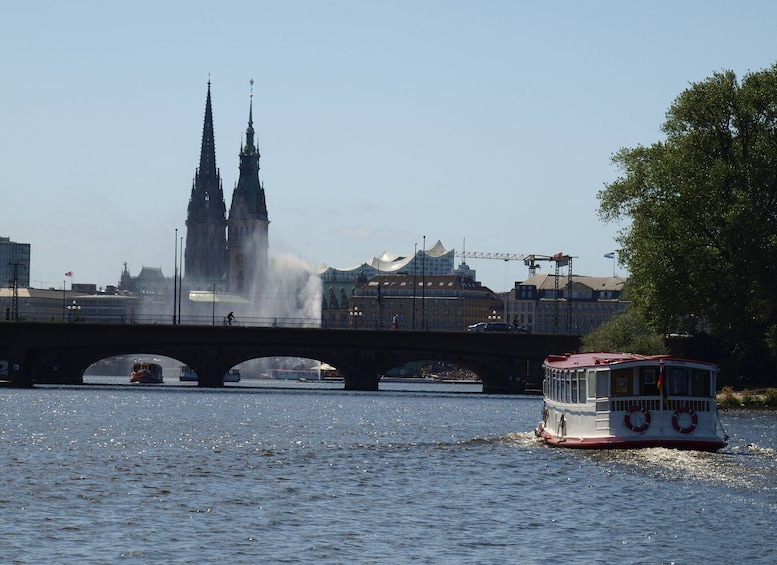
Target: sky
(487,125)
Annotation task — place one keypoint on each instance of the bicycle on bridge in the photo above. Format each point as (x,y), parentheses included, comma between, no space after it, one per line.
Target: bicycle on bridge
(230,320)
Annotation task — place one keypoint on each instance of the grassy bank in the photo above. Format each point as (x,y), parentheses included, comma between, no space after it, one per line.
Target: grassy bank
(755,398)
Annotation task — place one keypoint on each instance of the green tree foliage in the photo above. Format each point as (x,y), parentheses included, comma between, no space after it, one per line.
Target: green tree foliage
(627,332)
(702,242)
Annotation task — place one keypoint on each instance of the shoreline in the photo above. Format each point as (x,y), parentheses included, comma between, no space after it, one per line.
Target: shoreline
(747,398)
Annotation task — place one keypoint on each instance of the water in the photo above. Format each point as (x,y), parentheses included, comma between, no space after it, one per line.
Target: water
(169,474)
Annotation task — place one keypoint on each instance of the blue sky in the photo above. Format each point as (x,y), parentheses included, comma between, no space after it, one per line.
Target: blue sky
(488,124)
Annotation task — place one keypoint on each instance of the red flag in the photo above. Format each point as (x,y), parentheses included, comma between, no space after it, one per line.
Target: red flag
(69,274)
(660,384)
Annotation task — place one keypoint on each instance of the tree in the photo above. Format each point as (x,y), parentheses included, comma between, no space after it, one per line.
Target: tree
(702,242)
(627,332)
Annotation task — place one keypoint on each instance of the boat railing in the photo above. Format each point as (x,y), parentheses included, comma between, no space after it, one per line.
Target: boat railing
(671,404)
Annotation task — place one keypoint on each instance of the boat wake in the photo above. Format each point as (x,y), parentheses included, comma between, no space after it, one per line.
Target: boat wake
(750,467)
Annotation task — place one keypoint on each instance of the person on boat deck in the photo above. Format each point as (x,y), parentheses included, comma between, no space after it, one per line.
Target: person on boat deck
(230,317)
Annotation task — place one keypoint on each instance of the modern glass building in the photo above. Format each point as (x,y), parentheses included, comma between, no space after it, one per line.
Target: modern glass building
(14,263)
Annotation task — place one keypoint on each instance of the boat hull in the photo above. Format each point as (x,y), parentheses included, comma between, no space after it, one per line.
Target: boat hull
(629,443)
(145,379)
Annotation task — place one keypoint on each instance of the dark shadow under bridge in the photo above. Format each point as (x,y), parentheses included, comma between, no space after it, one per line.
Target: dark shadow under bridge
(40,352)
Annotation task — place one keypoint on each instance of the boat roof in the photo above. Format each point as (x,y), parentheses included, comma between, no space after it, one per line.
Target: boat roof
(600,358)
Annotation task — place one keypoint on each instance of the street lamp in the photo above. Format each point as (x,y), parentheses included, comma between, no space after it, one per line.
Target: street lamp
(355,314)
(73,310)
(494,317)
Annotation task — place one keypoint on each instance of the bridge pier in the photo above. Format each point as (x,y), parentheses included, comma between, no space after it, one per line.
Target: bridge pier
(361,383)
(360,370)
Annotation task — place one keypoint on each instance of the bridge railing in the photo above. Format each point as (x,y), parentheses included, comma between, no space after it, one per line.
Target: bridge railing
(251,321)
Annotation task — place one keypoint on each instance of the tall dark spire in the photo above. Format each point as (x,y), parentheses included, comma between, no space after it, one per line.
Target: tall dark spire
(208,151)
(205,259)
(248,219)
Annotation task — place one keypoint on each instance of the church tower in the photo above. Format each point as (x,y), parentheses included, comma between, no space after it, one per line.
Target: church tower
(247,227)
(206,246)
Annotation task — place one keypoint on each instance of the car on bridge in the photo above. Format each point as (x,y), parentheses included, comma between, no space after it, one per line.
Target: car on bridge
(491,327)
(499,327)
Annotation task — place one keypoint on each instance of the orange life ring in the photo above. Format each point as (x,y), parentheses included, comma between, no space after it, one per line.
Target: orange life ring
(645,425)
(676,420)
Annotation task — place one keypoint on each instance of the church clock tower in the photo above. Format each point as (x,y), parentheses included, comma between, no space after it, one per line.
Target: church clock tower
(247,226)
(206,248)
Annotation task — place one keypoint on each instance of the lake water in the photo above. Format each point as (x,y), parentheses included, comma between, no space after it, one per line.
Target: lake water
(314,474)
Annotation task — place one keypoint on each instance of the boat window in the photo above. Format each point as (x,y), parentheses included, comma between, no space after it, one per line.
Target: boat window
(592,384)
(677,381)
(700,383)
(621,382)
(648,379)
(602,384)
(582,379)
(574,388)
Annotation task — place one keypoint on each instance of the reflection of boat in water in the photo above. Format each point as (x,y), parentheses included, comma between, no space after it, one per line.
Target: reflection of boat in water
(624,400)
(187,374)
(146,373)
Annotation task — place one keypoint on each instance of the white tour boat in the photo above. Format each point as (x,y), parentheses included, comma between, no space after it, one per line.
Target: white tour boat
(623,400)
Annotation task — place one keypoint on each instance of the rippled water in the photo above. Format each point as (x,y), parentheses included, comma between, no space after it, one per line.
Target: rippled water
(99,474)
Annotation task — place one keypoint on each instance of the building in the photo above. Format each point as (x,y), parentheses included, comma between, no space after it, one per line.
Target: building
(436,261)
(14,263)
(248,223)
(576,304)
(433,302)
(206,245)
(150,281)
(226,253)
(52,305)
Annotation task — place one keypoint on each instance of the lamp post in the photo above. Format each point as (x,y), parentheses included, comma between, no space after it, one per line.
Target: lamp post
(415,270)
(72,311)
(423,289)
(175,278)
(494,317)
(355,314)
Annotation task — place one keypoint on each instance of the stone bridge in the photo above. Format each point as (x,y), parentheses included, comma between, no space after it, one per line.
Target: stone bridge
(53,352)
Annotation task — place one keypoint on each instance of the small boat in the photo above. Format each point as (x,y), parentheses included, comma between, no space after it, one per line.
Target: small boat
(188,374)
(301,375)
(624,400)
(146,373)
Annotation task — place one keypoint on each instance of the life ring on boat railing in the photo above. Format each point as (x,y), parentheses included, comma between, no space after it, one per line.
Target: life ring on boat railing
(645,424)
(676,420)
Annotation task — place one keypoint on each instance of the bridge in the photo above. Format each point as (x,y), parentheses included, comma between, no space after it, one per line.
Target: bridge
(61,352)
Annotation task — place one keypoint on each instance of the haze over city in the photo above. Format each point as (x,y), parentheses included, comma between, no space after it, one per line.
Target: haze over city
(378,123)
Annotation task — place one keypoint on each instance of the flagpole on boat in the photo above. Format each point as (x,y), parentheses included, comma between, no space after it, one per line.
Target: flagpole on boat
(661,385)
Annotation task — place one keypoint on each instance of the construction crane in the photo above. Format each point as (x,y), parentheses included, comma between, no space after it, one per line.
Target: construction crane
(532,261)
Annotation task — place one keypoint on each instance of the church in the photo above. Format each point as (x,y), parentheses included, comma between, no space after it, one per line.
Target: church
(227,253)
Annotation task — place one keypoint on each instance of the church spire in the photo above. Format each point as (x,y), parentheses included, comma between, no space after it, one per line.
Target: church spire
(208,150)
(247,239)
(206,254)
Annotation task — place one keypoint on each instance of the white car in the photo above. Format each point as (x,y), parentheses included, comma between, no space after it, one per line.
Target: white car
(479,327)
